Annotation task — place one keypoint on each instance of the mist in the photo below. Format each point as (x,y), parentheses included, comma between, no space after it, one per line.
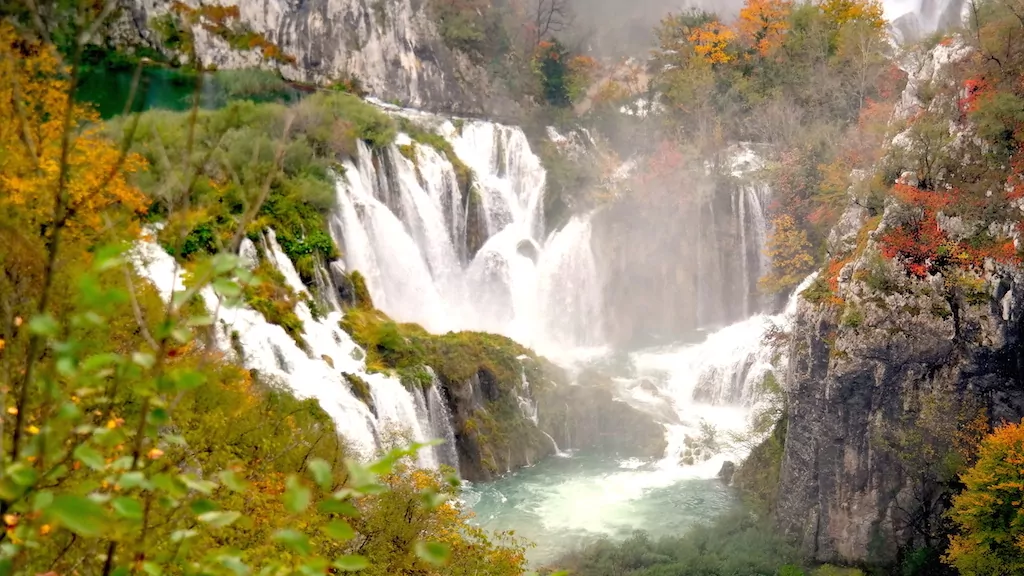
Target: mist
(619,28)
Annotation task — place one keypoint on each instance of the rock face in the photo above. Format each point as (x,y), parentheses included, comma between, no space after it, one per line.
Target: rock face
(391,46)
(846,492)
(886,370)
(492,435)
(883,375)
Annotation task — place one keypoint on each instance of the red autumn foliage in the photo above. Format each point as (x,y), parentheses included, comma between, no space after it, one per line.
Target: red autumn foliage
(927,199)
(890,82)
(832,273)
(921,246)
(973,89)
(925,249)
(666,161)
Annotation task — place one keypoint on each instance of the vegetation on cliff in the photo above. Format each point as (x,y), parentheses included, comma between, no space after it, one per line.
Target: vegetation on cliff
(128,442)
(481,373)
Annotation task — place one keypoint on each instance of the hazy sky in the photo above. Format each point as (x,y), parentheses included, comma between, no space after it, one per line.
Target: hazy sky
(624,26)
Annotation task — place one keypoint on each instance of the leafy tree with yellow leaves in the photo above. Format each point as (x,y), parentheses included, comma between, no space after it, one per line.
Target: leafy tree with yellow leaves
(128,443)
(49,181)
(763,24)
(789,251)
(989,512)
(712,42)
(842,12)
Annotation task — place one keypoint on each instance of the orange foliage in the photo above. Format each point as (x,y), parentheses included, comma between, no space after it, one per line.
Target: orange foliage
(790,254)
(763,24)
(832,270)
(34,105)
(711,42)
(990,511)
(974,89)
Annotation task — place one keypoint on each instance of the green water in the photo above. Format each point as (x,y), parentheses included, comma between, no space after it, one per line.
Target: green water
(165,88)
(161,88)
(562,503)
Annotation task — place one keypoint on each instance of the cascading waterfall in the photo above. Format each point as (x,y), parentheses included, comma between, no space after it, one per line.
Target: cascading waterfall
(753,232)
(316,372)
(402,221)
(715,382)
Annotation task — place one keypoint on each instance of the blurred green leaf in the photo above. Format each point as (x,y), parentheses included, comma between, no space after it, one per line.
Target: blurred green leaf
(294,540)
(339,530)
(351,563)
(127,508)
(90,457)
(434,553)
(219,519)
(296,495)
(320,470)
(79,515)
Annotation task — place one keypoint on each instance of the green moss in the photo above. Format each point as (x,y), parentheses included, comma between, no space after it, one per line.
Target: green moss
(362,293)
(456,356)
(493,364)
(463,173)
(941,309)
(275,300)
(567,185)
(415,377)
(247,136)
(853,317)
(830,570)
(818,292)
(757,477)
(360,389)
(409,151)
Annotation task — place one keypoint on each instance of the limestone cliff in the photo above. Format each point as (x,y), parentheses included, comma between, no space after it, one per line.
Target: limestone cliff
(885,368)
(391,46)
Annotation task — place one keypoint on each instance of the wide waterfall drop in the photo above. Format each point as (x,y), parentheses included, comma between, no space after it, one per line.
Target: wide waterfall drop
(401,220)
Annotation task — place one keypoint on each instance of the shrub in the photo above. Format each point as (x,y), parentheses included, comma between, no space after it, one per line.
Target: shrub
(737,544)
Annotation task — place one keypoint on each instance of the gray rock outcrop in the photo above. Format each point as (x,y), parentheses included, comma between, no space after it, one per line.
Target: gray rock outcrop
(391,46)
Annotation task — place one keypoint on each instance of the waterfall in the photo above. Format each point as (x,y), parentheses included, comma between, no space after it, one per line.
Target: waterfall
(408,233)
(441,424)
(716,381)
(753,232)
(479,259)
(316,372)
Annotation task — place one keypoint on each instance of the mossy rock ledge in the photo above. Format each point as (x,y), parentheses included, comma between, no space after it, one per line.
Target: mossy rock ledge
(481,376)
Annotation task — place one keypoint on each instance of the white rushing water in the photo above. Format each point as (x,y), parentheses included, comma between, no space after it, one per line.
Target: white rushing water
(314,373)
(403,221)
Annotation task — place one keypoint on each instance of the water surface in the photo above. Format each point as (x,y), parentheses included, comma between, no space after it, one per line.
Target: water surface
(565,502)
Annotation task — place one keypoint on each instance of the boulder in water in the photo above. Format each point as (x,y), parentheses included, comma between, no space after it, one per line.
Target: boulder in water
(528,248)
(726,472)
